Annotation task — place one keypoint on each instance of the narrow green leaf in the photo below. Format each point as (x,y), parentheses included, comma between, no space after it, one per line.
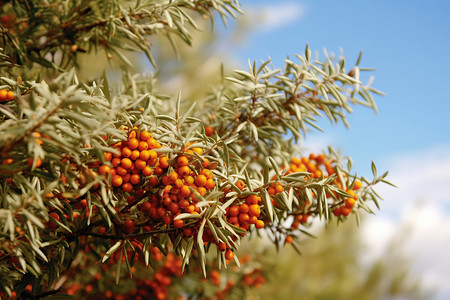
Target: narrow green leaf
(111,251)
(267,203)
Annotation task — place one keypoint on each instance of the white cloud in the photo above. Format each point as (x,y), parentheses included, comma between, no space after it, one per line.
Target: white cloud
(277,15)
(421,205)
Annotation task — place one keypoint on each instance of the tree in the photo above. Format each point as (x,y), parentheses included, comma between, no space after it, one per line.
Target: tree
(125,181)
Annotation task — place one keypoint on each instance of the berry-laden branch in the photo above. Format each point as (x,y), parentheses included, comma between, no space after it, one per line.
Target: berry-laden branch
(103,185)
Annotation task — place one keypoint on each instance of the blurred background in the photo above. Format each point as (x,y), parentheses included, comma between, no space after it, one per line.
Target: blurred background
(402,251)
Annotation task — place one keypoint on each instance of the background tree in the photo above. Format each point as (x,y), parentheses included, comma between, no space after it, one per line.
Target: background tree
(124,175)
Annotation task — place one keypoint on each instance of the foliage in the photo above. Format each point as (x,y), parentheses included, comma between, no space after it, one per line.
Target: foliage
(91,173)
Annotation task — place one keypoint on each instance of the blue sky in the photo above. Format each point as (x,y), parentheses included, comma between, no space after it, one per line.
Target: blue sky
(408,42)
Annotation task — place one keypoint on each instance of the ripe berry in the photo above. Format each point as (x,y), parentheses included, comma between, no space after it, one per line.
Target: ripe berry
(200,180)
(116,180)
(104,169)
(133,143)
(259,224)
(51,224)
(182,161)
(229,254)
(128,226)
(209,131)
(37,164)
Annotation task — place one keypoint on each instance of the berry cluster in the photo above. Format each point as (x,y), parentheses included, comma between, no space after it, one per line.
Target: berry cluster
(6,95)
(181,189)
(246,214)
(318,166)
(135,160)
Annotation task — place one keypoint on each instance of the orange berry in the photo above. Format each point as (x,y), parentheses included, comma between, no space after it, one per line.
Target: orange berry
(107,156)
(205,163)
(167,220)
(229,255)
(145,135)
(289,239)
(37,164)
(164,162)
(135,154)
(127,187)
(128,226)
(142,146)
(243,218)
(185,191)
(207,173)
(240,184)
(173,177)
(147,171)
(222,246)
(189,208)
(253,220)
(152,143)
(259,224)
(201,191)
(182,161)
(140,164)
(126,152)
(132,134)
(117,155)
(320,158)
(209,131)
(210,184)
(178,183)
(189,180)
(253,199)
(198,150)
(126,177)
(345,211)
(243,208)
(271,190)
(254,210)
(350,202)
(104,169)
(183,171)
(121,171)
(153,181)
(3,94)
(357,185)
(135,179)
(144,155)
(126,163)
(234,211)
(158,170)
(116,180)
(233,220)
(279,189)
(133,143)
(200,180)
(153,154)
(174,208)
(51,224)
(8,161)
(337,211)
(178,223)
(115,162)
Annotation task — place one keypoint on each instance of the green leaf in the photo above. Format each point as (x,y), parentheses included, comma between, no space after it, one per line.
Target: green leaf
(267,203)
(112,250)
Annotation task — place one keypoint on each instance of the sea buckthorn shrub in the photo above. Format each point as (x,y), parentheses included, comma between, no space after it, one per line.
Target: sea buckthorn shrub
(122,192)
